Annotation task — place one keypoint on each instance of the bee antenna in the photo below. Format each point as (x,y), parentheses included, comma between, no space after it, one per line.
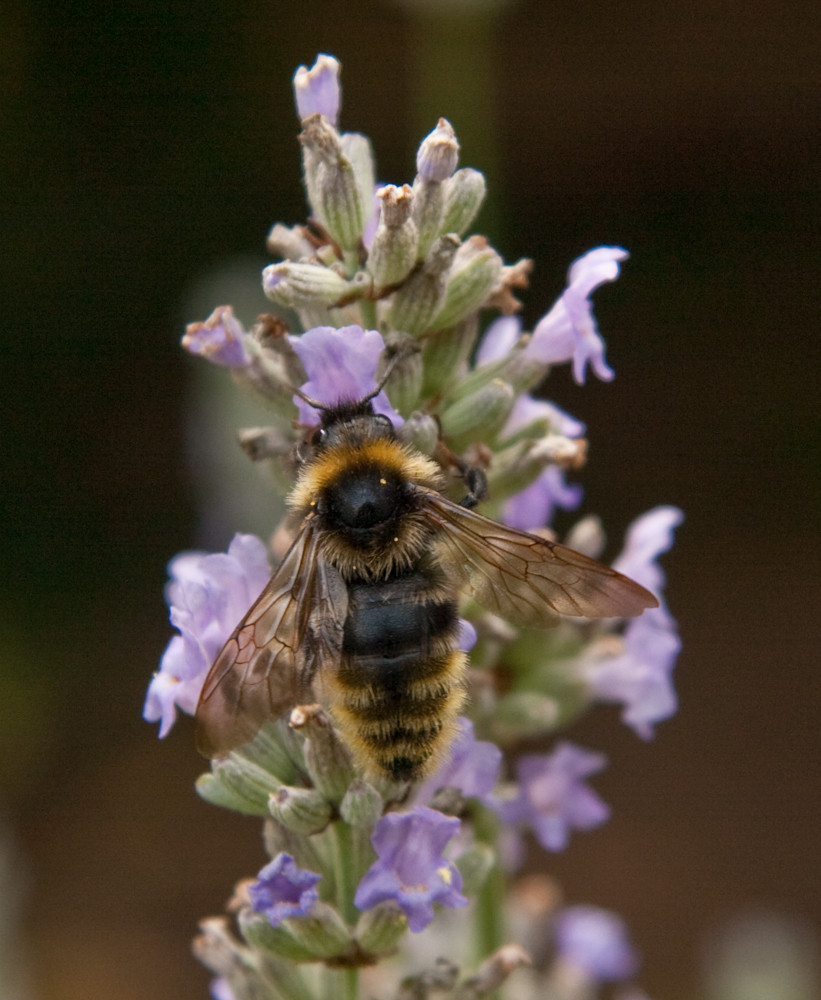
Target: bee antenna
(307,399)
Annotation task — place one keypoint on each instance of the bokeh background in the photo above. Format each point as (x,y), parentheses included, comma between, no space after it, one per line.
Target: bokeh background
(147,147)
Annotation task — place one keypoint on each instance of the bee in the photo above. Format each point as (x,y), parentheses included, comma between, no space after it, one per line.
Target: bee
(362,612)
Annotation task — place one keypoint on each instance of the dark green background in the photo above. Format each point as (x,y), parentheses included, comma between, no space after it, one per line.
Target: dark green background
(146,144)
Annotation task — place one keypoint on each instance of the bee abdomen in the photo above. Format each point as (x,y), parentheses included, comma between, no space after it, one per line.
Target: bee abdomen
(402,730)
(400,684)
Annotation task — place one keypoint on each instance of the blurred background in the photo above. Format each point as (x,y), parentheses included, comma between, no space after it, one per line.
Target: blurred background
(147,148)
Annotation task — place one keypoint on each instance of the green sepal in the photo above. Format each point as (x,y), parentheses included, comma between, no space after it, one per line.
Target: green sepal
(256,929)
(379,930)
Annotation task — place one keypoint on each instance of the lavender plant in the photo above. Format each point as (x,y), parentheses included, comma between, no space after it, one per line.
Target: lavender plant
(374,887)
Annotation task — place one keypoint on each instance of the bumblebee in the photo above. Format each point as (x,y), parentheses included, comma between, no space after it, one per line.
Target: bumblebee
(362,612)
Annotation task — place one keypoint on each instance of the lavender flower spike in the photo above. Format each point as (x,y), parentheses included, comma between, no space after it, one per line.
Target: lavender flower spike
(568,331)
(283,890)
(341,365)
(317,89)
(411,869)
(207,595)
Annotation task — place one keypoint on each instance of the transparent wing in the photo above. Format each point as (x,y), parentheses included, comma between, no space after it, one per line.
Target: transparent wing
(525,579)
(293,629)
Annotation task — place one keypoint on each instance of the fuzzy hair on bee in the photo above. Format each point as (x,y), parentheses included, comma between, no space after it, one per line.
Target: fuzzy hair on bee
(362,612)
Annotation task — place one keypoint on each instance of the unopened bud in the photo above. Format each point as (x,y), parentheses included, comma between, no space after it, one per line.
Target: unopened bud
(322,932)
(438,153)
(478,417)
(392,254)
(302,810)
(445,353)
(421,297)
(587,536)
(327,758)
(331,181)
(295,285)
(464,194)
(288,243)
(473,275)
(422,431)
(257,930)
(361,805)
(237,783)
(379,930)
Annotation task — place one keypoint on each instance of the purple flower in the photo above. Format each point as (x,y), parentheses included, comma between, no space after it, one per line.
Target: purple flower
(207,595)
(637,673)
(411,869)
(553,798)
(341,366)
(647,538)
(283,890)
(569,330)
(499,340)
(472,767)
(639,678)
(220,339)
(220,989)
(534,506)
(596,941)
(317,89)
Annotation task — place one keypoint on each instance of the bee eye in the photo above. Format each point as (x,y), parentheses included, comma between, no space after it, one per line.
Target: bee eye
(320,436)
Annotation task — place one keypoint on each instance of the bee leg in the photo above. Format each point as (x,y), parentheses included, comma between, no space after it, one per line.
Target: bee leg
(476,482)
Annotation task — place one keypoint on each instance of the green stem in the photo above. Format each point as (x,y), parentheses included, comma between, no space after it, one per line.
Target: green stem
(367,309)
(489,920)
(345,870)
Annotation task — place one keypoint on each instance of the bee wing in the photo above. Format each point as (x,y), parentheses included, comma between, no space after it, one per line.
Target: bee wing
(292,629)
(523,578)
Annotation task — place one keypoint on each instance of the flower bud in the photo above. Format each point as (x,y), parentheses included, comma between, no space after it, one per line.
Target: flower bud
(239,784)
(322,932)
(327,758)
(257,930)
(295,285)
(361,805)
(438,153)
(435,161)
(405,382)
(475,865)
(393,250)
(358,152)
(414,305)
(445,353)
(478,417)
(302,810)
(332,184)
(464,194)
(288,243)
(473,275)
(379,930)
(421,431)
